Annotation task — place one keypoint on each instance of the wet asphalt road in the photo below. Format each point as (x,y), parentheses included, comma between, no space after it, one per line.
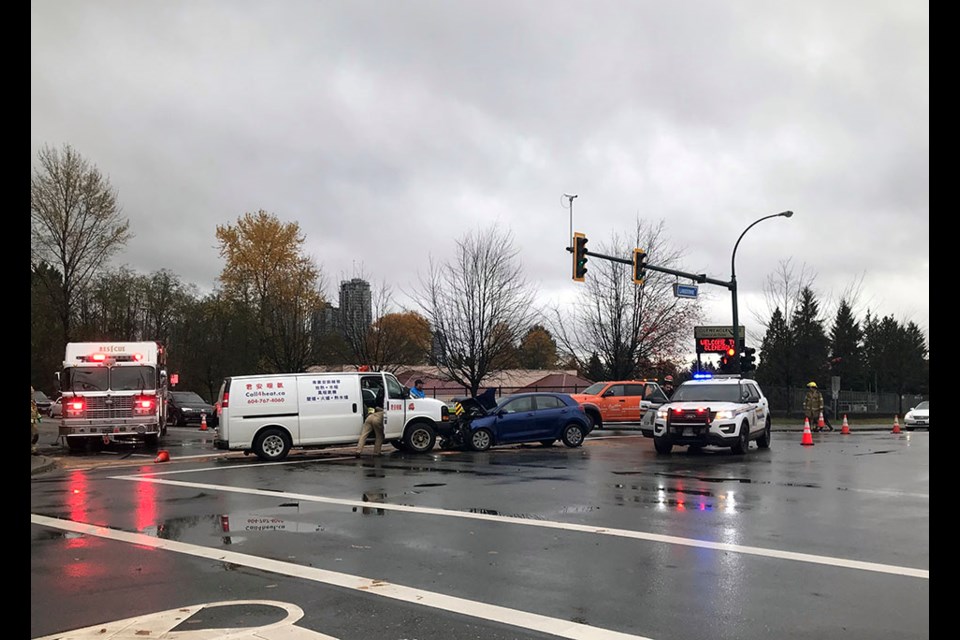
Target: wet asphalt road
(607,540)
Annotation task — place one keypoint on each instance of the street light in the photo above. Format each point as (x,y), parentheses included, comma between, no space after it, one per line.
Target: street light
(733,282)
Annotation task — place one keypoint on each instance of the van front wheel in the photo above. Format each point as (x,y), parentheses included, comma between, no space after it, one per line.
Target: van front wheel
(419,438)
(272,445)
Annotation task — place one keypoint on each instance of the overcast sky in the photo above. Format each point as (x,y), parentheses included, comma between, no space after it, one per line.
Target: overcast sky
(388,129)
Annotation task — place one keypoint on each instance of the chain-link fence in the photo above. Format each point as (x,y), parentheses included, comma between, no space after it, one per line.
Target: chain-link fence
(782,399)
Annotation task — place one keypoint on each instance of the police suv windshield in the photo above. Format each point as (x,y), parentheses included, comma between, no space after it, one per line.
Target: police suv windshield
(707,393)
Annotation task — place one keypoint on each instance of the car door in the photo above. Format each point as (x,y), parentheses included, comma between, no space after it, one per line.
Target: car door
(612,402)
(552,417)
(653,398)
(760,406)
(516,420)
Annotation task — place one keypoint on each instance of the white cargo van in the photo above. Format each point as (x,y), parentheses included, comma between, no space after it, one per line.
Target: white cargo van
(270,414)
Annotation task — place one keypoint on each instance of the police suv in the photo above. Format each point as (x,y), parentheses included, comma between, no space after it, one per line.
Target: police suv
(725,411)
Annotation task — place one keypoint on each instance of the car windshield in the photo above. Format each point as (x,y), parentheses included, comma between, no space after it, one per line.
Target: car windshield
(707,393)
(593,389)
(187,396)
(923,406)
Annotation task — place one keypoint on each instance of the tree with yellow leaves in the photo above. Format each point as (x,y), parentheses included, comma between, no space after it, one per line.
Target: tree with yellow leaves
(267,271)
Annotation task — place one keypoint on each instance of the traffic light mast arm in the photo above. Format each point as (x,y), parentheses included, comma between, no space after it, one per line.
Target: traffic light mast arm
(701,278)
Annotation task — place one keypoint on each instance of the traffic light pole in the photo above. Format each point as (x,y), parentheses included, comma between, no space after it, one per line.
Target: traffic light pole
(696,277)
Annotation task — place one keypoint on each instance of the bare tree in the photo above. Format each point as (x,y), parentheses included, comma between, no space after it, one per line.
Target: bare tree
(76,226)
(783,291)
(630,328)
(479,305)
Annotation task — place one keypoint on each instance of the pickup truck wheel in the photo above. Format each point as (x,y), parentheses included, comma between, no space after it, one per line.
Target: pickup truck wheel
(572,435)
(272,445)
(743,440)
(481,440)
(662,446)
(764,441)
(419,438)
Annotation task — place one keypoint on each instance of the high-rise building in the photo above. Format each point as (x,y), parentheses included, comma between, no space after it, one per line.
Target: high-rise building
(356,306)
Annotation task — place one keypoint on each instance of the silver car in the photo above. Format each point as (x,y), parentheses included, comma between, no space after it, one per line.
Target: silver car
(918,417)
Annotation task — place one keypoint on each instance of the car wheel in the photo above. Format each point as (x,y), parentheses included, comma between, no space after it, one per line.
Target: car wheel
(272,445)
(743,440)
(764,441)
(398,445)
(572,435)
(419,438)
(547,443)
(662,446)
(481,440)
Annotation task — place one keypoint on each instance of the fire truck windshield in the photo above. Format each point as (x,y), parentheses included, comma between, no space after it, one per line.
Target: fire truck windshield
(123,378)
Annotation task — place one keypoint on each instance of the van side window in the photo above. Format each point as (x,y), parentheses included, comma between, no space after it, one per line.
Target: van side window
(394,388)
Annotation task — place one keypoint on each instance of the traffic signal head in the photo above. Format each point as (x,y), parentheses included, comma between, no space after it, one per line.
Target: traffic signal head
(639,264)
(747,360)
(579,256)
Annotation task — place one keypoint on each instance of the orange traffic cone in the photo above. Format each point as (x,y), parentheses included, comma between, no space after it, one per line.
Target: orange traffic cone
(821,425)
(845,430)
(163,456)
(807,436)
(896,425)
(203,422)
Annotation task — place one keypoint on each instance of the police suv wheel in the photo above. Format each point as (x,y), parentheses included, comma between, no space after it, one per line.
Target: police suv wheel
(743,440)
(764,441)
(662,445)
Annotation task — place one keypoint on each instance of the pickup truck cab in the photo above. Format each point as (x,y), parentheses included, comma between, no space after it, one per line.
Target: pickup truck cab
(622,404)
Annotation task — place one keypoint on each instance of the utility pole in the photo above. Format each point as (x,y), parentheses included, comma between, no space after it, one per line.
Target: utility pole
(570,200)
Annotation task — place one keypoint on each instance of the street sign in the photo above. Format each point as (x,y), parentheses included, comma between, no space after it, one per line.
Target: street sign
(684,290)
(717,332)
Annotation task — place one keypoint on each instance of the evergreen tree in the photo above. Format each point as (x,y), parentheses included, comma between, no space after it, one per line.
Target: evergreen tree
(776,351)
(810,343)
(846,350)
(594,370)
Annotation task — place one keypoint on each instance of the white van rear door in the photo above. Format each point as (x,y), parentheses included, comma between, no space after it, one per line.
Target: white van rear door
(331,409)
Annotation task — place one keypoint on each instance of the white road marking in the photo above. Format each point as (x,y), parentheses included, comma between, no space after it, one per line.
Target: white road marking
(161,625)
(482,610)
(551,524)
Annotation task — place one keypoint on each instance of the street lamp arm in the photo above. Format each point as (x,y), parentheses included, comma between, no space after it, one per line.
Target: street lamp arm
(733,285)
(733,270)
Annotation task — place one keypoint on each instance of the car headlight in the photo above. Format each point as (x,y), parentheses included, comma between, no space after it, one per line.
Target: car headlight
(662,413)
(909,416)
(726,414)
(186,409)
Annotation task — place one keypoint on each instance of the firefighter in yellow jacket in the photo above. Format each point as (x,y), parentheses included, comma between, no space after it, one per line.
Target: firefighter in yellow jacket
(813,406)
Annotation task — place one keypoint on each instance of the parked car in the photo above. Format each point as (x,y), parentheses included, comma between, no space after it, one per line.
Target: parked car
(542,417)
(56,409)
(622,403)
(186,407)
(918,417)
(43,402)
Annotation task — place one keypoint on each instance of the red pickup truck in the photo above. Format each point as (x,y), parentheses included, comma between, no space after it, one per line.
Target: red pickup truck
(622,404)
